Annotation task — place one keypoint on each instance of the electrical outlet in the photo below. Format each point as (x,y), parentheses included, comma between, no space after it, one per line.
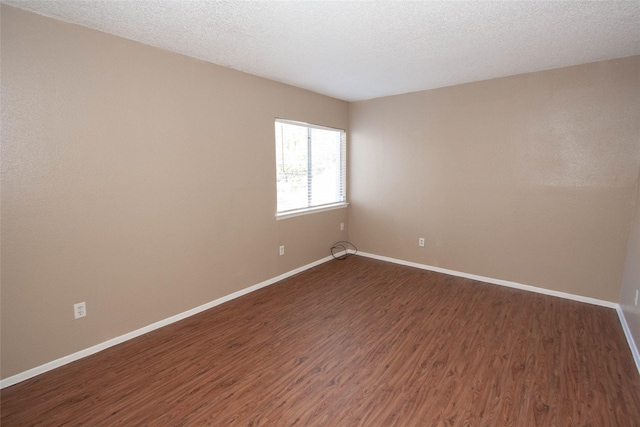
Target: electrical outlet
(80,310)
(636,302)
(421,242)
(342,226)
(282,250)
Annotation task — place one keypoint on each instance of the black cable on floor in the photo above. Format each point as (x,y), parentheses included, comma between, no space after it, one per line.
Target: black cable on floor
(348,248)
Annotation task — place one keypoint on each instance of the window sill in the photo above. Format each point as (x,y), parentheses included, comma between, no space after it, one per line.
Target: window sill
(308,211)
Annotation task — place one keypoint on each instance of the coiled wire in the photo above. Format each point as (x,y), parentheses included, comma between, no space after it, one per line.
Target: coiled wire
(348,248)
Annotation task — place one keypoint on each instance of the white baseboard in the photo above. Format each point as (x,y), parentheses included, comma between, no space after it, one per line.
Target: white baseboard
(630,340)
(122,338)
(500,282)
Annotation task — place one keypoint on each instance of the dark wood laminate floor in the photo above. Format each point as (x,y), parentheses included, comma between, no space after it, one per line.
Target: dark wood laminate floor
(358,342)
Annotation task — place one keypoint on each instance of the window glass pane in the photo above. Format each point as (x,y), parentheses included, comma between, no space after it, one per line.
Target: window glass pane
(325,159)
(310,166)
(291,166)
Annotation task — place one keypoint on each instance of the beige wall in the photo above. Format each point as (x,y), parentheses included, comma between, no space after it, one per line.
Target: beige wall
(137,180)
(142,182)
(529,178)
(631,275)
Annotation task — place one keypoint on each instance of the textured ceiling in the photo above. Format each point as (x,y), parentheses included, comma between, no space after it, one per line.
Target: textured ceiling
(361,50)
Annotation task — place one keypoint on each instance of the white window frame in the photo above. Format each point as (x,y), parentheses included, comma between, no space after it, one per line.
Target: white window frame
(343,167)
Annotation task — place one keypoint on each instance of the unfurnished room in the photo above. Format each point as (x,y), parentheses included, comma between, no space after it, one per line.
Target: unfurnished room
(319,213)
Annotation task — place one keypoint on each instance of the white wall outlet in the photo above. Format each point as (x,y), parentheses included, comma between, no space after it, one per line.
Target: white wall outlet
(282,250)
(342,226)
(80,310)
(636,302)
(421,242)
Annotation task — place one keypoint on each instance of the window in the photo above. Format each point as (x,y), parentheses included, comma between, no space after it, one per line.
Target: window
(310,167)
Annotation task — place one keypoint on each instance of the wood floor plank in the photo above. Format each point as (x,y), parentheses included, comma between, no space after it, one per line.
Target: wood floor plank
(358,342)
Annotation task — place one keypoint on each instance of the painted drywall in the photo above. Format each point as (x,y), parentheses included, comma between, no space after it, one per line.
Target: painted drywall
(137,180)
(142,182)
(528,178)
(631,275)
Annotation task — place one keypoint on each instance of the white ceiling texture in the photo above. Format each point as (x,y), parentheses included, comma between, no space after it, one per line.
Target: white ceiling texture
(355,50)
